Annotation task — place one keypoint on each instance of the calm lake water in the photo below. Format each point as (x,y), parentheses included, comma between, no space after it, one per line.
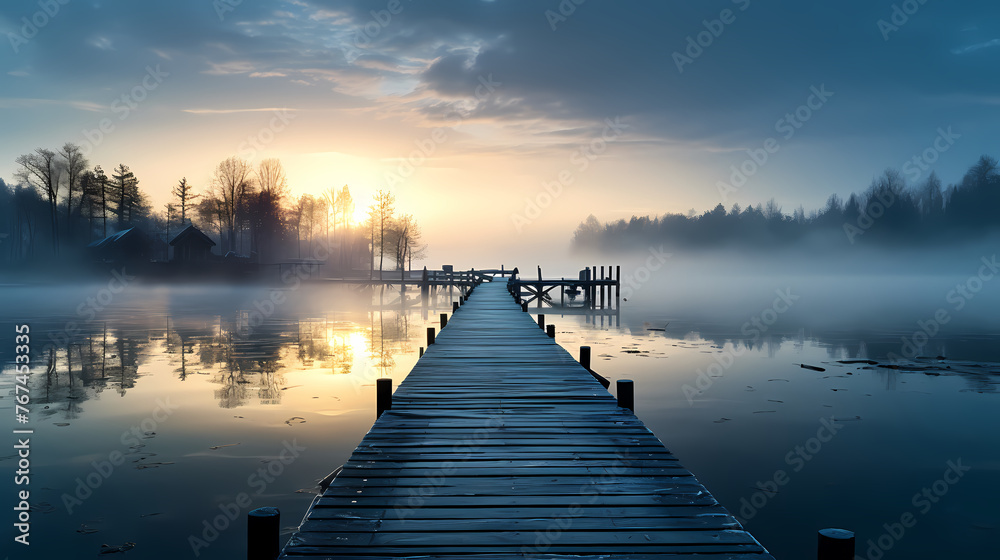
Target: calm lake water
(166,407)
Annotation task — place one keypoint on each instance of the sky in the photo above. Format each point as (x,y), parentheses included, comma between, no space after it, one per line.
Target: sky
(507,122)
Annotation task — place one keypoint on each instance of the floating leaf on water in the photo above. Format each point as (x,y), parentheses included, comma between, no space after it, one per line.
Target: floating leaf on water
(295,420)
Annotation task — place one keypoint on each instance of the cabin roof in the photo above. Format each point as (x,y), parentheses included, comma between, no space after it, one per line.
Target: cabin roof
(190,235)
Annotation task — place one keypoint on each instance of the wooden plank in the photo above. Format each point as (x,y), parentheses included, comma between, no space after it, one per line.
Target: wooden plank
(498,436)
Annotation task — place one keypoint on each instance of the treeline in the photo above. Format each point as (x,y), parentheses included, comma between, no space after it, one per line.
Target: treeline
(60,204)
(888,213)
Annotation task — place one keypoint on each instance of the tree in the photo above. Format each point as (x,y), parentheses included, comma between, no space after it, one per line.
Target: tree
(382,210)
(42,170)
(266,224)
(75,164)
(405,235)
(128,199)
(185,198)
(231,182)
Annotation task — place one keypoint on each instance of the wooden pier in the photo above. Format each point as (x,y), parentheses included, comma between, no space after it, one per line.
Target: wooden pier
(595,289)
(499,444)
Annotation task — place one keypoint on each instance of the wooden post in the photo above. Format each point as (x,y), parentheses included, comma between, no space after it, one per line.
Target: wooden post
(524,306)
(601,287)
(626,394)
(444,320)
(835,544)
(383,396)
(593,289)
(585,357)
(541,322)
(421,355)
(454,306)
(550,330)
(263,527)
(618,285)
(430,336)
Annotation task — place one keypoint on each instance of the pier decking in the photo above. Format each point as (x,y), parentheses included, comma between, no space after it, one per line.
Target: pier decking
(500,445)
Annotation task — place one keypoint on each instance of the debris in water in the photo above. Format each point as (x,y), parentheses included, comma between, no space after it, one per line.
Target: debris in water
(153,465)
(869,362)
(85,530)
(721,420)
(224,445)
(835,419)
(149,514)
(108,549)
(814,368)
(295,420)
(62,424)
(772,400)
(290,387)
(763,411)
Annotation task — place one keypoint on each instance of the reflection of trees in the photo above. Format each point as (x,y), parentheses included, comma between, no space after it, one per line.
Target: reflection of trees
(250,363)
(85,366)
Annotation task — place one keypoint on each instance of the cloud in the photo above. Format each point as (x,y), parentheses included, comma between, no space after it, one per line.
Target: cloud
(229,111)
(976,47)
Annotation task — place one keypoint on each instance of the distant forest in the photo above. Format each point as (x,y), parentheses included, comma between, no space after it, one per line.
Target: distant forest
(60,205)
(888,213)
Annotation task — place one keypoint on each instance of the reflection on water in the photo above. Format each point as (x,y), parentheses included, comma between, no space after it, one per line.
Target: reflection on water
(199,391)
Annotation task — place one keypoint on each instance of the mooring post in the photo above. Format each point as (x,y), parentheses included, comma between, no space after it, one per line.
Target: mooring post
(585,357)
(430,336)
(444,320)
(454,306)
(550,330)
(421,354)
(383,396)
(524,306)
(263,528)
(626,394)
(593,288)
(618,284)
(541,322)
(835,544)
(601,287)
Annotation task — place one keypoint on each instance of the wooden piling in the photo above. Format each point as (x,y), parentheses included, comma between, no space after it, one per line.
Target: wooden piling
(421,354)
(601,287)
(541,322)
(835,544)
(524,306)
(430,336)
(444,320)
(550,330)
(618,285)
(454,306)
(383,396)
(585,357)
(263,528)
(626,393)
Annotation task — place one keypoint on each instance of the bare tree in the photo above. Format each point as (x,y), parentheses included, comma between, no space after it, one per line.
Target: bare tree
(230,181)
(75,164)
(382,211)
(42,170)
